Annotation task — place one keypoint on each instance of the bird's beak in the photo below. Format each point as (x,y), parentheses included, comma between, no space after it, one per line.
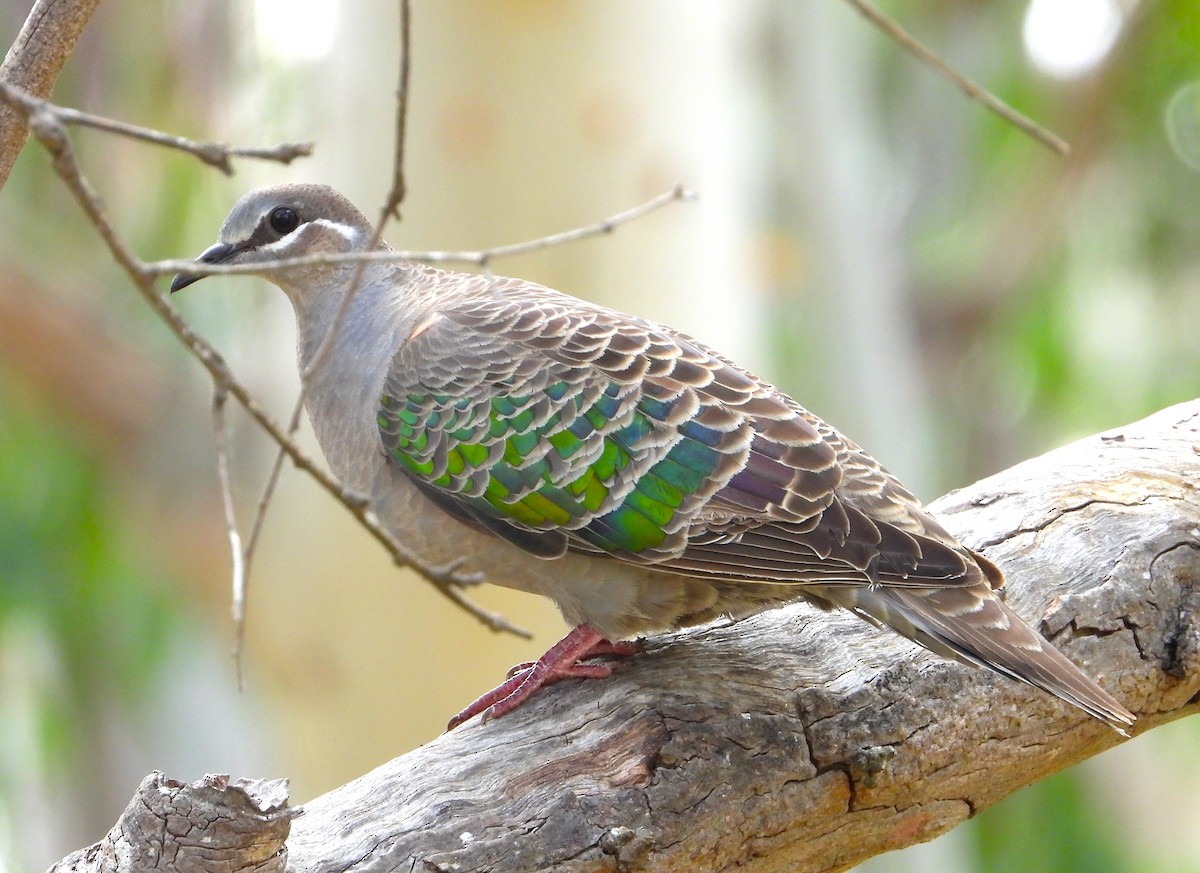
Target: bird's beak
(215,254)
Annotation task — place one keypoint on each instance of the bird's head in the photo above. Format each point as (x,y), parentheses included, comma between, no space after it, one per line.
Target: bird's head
(286,221)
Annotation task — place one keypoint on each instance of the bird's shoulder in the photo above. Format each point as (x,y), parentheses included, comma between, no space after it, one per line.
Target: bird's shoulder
(467,312)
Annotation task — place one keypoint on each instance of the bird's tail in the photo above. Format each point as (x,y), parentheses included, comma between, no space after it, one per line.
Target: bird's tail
(971,624)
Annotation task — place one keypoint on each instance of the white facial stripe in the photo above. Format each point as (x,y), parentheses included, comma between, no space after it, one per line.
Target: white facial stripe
(275,246)
(347,233)
(344,230)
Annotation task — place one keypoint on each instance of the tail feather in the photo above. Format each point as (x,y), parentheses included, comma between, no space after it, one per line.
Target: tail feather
(972,625)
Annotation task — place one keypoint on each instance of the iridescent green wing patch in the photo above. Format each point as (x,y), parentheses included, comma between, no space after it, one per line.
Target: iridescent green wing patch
(596,459)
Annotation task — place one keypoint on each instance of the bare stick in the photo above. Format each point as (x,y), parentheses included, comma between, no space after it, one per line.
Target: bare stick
(214,154)
(605,226)
(480,257)
(52,134)
(399,187)
(236,552)
(391,207)
(33,63)
(973,90)
(260,513)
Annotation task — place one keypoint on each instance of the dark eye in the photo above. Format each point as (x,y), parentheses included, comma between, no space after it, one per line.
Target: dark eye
(284,220)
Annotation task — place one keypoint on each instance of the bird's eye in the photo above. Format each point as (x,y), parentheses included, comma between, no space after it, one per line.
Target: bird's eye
(284,220)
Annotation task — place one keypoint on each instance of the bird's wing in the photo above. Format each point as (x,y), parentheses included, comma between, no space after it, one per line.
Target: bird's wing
(561,425)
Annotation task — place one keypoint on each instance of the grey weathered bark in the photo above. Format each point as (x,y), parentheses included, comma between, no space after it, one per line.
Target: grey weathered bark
(34,62)
(211,824)
(805,741)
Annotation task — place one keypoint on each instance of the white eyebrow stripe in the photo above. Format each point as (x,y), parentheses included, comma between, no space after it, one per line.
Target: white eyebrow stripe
(344,230)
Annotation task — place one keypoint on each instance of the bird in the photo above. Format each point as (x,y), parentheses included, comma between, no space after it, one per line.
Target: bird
(635,476)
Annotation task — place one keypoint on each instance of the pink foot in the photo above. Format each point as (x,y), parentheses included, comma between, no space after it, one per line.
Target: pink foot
(602,648)
(561,661)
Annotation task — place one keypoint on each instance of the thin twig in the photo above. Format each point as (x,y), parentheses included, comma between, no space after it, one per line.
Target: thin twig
(479,258)
(399,187)
(973,90)
(607,225)
(495,620)
(236,551)
(260,511)
(391,208)
(52,134)
(214,154)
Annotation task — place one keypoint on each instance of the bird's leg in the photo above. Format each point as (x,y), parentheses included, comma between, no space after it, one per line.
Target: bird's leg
(561,661)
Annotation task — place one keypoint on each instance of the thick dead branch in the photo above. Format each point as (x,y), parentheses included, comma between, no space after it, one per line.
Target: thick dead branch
(33,64)
(808,741)
(211,824)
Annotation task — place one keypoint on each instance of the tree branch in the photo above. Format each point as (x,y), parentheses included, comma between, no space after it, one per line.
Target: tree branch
(473,257)
(806,741)
(211,824)
(215,154)
(33,63)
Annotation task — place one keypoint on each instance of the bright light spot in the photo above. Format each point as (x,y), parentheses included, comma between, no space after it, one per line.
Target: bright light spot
(296,30)
(1067,38)
(1183,124)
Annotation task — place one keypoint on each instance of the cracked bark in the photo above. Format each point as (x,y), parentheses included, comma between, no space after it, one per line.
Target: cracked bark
(806,741)
(210,824)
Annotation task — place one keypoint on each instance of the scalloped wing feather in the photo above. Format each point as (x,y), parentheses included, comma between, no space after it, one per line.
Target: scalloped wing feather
(559,424)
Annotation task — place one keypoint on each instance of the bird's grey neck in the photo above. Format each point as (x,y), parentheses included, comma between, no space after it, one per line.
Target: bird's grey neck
(370,321)
(344,387)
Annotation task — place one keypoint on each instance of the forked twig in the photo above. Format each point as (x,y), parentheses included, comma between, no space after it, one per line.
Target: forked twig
(391,208)
(399,186)
(48,123)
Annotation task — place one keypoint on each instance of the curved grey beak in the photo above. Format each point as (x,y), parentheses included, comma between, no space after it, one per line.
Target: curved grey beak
(212,255)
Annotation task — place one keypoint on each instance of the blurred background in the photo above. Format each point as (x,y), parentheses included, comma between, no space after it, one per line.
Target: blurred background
(943,289)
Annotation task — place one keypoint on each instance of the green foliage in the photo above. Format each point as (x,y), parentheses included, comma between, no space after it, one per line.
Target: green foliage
(78,605)
(1051,827)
